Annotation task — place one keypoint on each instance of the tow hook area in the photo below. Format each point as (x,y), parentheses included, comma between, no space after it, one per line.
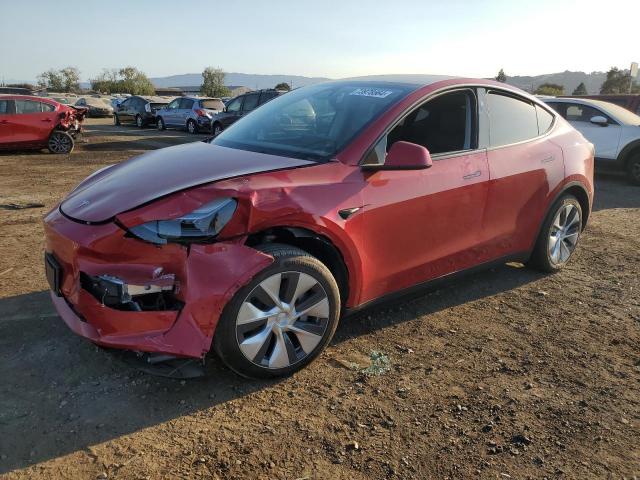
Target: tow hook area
(114,292)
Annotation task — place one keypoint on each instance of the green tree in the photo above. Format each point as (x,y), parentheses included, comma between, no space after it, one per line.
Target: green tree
(617,81)
(549,89)
(502,77)
(65,80)
(135,82)
(51,80)
(213,83)
(283,86)
(580,89)
(106,82)
(70,79)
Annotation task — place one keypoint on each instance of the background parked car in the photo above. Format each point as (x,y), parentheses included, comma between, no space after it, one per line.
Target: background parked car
(137,110)
(96,107)
(36,122)
(629,101)
(192,113)
(240,106)
(613,130)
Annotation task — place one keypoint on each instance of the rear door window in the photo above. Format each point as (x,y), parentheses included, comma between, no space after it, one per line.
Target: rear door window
(27,106)
(266,96)
(250,102)
(4,107)
(186,104)
(511,119)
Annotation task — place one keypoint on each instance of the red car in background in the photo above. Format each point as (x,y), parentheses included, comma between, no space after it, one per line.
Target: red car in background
(28,122)
(318,203)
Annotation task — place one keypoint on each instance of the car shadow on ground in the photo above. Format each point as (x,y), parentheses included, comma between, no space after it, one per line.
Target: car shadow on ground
(66,394)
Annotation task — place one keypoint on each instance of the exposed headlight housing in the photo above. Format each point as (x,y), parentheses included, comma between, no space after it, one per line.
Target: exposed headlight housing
(201,225)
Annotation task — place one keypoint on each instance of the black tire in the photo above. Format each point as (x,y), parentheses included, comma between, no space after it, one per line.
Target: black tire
(216,129)
(286,259)
(116,119)
(540,257)
(139,121)
(192,127)
(633,169)
(60,143)
(160,124)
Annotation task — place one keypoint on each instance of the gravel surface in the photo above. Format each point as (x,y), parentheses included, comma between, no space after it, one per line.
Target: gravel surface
(505,374)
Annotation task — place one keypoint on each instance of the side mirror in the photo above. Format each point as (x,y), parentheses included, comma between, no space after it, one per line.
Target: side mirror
(404,156)
(599,120)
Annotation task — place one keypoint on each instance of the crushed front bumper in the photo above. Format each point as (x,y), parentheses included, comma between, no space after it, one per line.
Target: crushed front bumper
(121,292)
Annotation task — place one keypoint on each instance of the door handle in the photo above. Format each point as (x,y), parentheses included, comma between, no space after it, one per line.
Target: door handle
(3,121)
(46,120)
(548,159)
(475,174)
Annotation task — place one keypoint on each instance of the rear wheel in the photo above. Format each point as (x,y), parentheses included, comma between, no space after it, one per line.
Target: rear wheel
(139,121)
(559,235)
(282,319)
(192,127)
(60,142)
(160,124)
(216,129)
(633,168)
(116,119)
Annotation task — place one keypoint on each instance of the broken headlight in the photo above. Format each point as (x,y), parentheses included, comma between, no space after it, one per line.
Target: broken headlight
(203,224)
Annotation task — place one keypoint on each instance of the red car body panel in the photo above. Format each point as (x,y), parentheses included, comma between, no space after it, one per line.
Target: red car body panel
(411,226)
(32,130)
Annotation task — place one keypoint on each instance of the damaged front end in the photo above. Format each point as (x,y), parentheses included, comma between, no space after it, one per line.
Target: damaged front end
(144,295)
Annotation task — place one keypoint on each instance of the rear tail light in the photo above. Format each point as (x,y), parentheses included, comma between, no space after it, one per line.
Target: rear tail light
(200,112)
(147,107)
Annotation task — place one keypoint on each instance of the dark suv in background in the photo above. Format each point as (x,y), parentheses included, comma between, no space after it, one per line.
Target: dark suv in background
(140,111)
(240,106)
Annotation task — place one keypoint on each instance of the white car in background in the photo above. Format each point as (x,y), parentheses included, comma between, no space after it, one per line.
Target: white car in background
(613,130)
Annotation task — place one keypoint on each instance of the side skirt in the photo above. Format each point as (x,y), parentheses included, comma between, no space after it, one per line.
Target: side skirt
(433,284)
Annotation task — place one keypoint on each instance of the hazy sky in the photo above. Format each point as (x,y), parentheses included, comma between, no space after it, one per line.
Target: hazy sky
(320,38)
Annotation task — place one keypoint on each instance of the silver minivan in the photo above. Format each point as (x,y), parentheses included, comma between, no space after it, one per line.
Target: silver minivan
(192,113)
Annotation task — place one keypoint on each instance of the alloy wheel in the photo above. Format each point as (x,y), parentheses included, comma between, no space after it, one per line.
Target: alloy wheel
(217,130)
(282,320)
(60,143)
(160,125)
(191,126)
(139,121)
(563,234)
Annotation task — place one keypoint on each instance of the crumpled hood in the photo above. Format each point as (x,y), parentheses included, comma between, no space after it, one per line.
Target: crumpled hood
(155,174)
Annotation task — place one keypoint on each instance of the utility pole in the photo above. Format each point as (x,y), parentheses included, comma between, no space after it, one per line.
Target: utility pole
(633,73)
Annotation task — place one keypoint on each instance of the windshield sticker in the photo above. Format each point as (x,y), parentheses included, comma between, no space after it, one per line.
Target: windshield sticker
(372,92)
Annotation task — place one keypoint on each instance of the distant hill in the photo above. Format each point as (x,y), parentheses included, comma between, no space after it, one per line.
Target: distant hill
(246,79)
(570,80)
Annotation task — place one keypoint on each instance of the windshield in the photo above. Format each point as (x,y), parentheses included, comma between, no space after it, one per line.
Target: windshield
(212,104)
(622,114)
(315,122)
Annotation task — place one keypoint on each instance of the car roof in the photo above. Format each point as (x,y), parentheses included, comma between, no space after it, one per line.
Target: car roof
(585,101)
(153,99)
(29,97)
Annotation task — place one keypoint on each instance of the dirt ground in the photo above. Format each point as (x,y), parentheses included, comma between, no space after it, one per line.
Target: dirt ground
(507,374)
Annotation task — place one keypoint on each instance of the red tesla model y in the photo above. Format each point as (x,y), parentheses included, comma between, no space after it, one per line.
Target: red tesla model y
(326,199)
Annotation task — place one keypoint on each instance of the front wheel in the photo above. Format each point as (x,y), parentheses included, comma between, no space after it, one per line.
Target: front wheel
(559,235)
(116,119)
(282,319)
(160,124)
(60,142)
(633,168)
